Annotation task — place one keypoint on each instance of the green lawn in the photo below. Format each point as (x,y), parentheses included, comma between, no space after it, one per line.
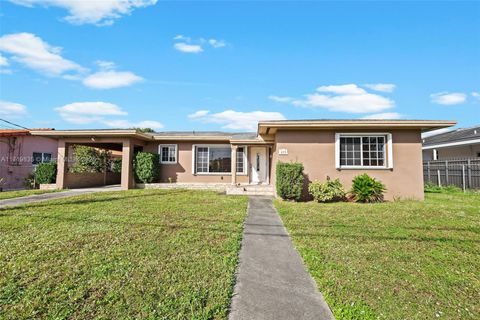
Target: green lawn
(150,254)
(22,193)
(398,260)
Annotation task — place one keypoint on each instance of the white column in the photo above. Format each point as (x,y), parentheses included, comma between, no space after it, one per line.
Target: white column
(234,165)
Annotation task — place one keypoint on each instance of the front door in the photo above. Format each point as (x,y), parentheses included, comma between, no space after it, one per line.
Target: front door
(258,165)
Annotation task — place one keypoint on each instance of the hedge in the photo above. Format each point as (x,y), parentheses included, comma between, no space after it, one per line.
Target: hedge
(289,180)
(147,167)
(46,172)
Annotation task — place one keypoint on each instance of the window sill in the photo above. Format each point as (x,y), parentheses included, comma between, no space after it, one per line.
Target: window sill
(168,162)
(217,174)
(363,168)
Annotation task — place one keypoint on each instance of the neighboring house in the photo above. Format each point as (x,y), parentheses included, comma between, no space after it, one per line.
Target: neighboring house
(389,150)
(20,152)
(456,144)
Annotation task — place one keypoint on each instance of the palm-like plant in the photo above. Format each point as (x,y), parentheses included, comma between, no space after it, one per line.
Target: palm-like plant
(367,189)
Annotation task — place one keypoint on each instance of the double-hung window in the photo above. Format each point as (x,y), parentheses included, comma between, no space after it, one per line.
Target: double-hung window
(241,159)
(217,159)
(363,151)
(40,157)
(168,153)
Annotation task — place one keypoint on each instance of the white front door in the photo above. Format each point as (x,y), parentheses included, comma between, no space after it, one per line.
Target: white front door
(258,165)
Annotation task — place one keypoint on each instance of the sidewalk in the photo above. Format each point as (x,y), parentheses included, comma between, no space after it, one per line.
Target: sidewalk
(272,282)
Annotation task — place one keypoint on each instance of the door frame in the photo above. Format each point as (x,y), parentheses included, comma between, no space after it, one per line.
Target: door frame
(267,164)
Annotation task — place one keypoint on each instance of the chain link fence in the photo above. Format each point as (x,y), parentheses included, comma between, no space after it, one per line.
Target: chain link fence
(463,173)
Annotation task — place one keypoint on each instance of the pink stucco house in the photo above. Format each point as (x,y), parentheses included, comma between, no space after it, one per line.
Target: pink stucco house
(389,150)
(20,152)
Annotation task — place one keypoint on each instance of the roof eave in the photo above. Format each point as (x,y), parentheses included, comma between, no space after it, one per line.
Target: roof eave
(92,133)
(269,127)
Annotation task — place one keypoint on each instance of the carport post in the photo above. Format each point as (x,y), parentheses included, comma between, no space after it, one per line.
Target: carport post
(127,166)
(62,156)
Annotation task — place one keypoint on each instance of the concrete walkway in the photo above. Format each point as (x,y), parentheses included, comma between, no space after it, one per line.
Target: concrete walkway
(54,195)
(272,282)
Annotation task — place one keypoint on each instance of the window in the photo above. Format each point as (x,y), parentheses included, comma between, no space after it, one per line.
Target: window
(370,150)
(218,159)
(240,160)
(40,157)
(168,153)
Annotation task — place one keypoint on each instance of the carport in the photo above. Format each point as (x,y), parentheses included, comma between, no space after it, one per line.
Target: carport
(126,141)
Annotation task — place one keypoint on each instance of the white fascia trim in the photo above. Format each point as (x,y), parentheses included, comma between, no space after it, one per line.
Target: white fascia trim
(337,150)
(451,144)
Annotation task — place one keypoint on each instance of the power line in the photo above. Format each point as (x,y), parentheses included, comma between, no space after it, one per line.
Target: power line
(17,125)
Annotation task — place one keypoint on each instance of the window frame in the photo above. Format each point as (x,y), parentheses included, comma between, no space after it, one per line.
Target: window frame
(161,146)
(194,160)
(245,159)
(43,157)
(388,152)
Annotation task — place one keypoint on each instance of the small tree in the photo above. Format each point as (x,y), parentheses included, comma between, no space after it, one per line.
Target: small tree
(89,159)
(289,180)
(147,167)
(46,172)
(145,130)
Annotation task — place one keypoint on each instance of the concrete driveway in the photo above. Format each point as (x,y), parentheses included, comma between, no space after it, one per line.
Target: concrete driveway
(55,195)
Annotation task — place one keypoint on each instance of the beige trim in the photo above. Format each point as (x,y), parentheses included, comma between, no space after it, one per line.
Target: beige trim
(270,127)
(192,138)
(93,133)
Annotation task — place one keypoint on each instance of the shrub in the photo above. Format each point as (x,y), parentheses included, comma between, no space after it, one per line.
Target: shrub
(147,167)
(117,166)
(289,180)
(367,189)
(46,172)
(433,188)
(89,159)
(330,190)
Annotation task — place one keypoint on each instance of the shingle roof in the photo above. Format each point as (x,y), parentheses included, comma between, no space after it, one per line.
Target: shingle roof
(463,134)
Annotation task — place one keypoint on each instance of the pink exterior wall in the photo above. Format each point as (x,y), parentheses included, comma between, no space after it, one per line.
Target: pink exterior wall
(16,157)
(316,150)
(182,170)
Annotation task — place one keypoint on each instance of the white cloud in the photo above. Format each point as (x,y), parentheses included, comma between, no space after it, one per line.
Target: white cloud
(447,98)
(382,87)
(345,98)
(100,113)
(476,95)
(188,48)
(236,120)
(11,109)
(88,112)
(217,43)
(384,116)
(182,37)
(100,13)
(3,61)
(33,52)
(342,89)
(280,99)
(125,124)
(187,45)
(198,114)
(111,79)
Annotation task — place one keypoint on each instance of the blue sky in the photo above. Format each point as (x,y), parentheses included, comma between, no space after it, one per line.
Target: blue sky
(223,65)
